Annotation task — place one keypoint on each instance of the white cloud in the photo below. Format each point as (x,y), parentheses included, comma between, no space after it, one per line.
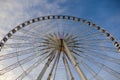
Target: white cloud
(14,12)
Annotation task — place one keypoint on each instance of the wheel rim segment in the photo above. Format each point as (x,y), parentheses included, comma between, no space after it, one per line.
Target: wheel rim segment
(35,48)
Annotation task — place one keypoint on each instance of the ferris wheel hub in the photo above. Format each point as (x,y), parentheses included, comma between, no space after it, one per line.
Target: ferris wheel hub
(56,41)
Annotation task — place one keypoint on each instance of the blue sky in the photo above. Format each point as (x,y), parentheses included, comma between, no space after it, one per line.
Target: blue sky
(105,13)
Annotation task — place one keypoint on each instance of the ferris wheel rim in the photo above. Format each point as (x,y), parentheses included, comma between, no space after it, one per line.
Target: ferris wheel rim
(28,22)
(90,24)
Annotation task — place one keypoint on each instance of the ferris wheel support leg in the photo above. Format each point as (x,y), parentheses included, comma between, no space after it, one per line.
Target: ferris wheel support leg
(55,62)
(78,69)
(46,65)
(67,67)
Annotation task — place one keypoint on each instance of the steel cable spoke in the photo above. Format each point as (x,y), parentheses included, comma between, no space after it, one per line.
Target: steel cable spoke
(79,27)
(71,26)
(103,56)
(51,39)
(20,53)
(104,67)
(53,66)
(21,62)
(93,73)
(85,31)
(99,55)
(67,67)
(37,63)
(96,34)
(99,47)
(24,38)
(55,70)
(30,33)
(46,65)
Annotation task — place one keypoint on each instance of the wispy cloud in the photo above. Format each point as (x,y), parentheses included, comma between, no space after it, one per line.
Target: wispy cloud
(13,12)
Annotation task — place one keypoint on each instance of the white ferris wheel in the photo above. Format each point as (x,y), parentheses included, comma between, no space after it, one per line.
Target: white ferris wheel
(59,47)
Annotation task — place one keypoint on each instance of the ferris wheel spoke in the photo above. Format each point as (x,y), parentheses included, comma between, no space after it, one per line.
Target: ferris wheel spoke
(84,31)
(85,56)
(66,70)
(19,53)
(48,22)
(71,26)
(51,38)
(28,34)
(71,41)
(85,46)
(68,38)
(21,37)
(47,49)
(93,40)
(66,35)
(48,42)
(88,38)
(74,62)
(111,71)
(103,56)
(51,45)
(56,66)
(91,35)
(76,42)
(41,24)
(99,55)
(74,52)
(64,26)
(104,67)
(67,75)
(31,33)
(76,47)
(21,62)
(36,64)
(20,45)
(94,74)
(24,38)
(79,27)
(96,47)
(46,65)
(58,25)
(47,28)
(12,46)
(67,67)
(55,62)
(80,51)
(24,44)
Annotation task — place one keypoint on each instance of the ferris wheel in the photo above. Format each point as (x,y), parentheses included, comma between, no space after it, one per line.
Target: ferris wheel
(59,47)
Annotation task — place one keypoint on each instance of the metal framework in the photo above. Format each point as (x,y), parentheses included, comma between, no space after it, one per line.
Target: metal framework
(59,47)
